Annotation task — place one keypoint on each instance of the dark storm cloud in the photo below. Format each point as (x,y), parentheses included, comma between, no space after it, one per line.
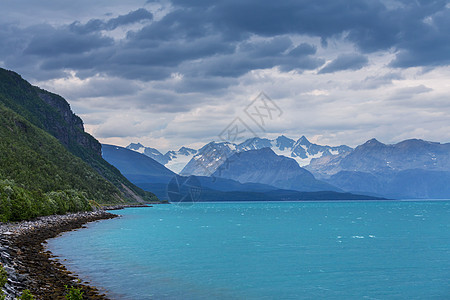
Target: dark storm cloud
(52,42)
(345,62)
(111,24)
(229,38)
(418,30)
(427,43)
(257,55)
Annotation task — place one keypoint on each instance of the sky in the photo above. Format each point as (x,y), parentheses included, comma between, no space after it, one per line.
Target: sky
(183,73)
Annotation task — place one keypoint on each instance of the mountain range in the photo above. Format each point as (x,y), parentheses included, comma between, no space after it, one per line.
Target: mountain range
(409,169)
(204,161)
(148,174)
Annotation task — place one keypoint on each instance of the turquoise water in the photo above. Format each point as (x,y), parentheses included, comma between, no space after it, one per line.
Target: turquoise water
(302,250)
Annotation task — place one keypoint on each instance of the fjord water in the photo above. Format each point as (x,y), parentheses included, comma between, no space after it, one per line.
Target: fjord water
(288,250)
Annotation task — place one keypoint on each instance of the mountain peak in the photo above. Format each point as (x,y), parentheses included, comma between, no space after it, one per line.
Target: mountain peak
(186,151)
(135,146)
(303,141)
(370,144)
(254,143)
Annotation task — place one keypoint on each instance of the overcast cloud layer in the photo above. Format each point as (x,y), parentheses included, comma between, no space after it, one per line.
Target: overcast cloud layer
(173,73)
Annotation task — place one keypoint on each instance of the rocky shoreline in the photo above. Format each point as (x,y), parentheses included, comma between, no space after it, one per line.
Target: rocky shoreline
(30,266)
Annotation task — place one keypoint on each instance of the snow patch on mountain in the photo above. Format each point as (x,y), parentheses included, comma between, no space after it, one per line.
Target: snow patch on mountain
(207,159)
(173,160)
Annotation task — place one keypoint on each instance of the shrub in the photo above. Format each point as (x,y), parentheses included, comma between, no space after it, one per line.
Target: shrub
(26,295)
(3,280)
(74,293)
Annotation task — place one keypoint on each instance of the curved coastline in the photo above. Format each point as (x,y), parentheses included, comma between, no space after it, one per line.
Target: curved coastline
(31,266)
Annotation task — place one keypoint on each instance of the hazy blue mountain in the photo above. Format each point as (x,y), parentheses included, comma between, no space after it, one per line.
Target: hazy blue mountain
(148,174)
(134,165)
(374,156)
(264,166)
(409,169)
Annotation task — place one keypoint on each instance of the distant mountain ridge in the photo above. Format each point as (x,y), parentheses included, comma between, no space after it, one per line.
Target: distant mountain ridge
(147,173)
(204,161)
(374,156)
(409,169)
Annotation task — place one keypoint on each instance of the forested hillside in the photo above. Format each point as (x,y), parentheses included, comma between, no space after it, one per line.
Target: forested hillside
(52,113)
(48,164)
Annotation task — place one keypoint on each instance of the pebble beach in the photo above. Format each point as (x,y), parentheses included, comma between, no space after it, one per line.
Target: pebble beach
(30,266)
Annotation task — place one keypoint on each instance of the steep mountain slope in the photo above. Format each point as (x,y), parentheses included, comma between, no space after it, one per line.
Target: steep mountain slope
(136,166)
(264,166)
(150,152)
(38,176)
(52,113)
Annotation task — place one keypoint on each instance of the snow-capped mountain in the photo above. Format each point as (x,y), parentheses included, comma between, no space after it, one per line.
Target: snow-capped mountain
(302,150)
(209,158)
(150,152)
(173,160)
(206,160)
(177,160)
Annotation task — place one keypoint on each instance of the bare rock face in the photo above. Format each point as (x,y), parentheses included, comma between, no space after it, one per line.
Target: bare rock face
(70,127)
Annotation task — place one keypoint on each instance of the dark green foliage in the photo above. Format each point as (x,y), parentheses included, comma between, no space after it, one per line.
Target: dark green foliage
(52,113)
(17,203)
(26,295)
(74,293)
(36,160)
(3,280)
